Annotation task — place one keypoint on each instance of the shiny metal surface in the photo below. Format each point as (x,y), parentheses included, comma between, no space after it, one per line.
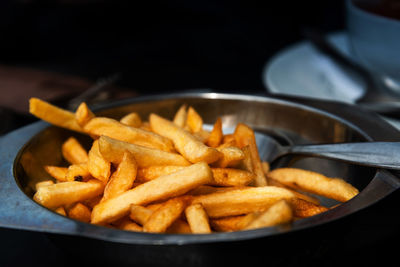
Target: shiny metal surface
(289,122)
(371,154)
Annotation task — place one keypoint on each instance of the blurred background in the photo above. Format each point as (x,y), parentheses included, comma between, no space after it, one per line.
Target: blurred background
(155,46)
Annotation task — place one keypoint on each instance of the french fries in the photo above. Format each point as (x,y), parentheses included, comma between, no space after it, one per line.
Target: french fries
(164,187)
(101,126)
(54,115)
(244,136)
(197,219)
(161,176)
(113,151)
(188,145)
(56,195)
(73,151)
(316,183)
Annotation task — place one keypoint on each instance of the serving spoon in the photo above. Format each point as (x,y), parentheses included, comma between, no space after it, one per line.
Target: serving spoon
(373,154)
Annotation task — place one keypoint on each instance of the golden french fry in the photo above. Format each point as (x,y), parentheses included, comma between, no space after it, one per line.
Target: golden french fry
(79,212)
(132,119)
(229,139)
(43,184)
(181,116)
(233,223)
(122,179)
(140,214)
(215,138)
(73,151)
(304,209)
(146,126)
(113,150)
(116,130)
(202,135)
(296,193)
(244,136)
(58,173)
(231,156)
(246,163)
(98,166)
(128,225)
(192,149)
(315,183)
(83,114)
(163,187)
(241,201)
(207,189)
(78,172)
(61,211)
(54,196)
(54,115)
(194,120)
(197,219)
(91,202)
(179,227)
(278,213)
(221,176)
(265,167)
(162,218)
(231,177)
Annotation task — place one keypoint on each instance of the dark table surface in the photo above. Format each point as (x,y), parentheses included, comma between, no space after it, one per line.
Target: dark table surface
(174,46)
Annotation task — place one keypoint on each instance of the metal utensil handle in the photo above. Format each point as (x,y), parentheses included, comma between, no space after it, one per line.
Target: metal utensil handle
(374,154)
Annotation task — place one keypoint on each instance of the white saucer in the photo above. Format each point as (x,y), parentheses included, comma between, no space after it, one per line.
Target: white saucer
(301,70)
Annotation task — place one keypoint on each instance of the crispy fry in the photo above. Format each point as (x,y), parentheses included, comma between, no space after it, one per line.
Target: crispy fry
(140,214)
(162,218)
(192,149)
(194,120)
(43,184)
(231,177)
(116,130)
(98,166)
(58,173)
(83,114)
(54,115)
(228,139)
(60,194)
(207,189)
(304,209)
(79,212)
(197,219)
(73,151)
(61,211)
(215,138)
(123,178)
(132,119)
(164,187)
(265,167)
(315,183)
(181,116)
(244,136)
(241,201)
(296,193)
(78,172)
(179,227)
(278,213)
(231,156)
(233,223)
(222,176)
(128,225)
(246,163)
(113,150)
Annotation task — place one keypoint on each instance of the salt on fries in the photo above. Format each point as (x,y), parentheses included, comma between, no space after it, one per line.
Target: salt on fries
(162,176)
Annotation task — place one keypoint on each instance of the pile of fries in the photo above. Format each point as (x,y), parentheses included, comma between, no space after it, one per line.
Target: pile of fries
(173,176)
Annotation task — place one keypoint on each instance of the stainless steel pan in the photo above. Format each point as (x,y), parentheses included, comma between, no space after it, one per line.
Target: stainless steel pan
(290,120)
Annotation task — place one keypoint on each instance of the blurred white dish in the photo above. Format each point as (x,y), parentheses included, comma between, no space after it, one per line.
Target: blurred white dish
(301,70)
